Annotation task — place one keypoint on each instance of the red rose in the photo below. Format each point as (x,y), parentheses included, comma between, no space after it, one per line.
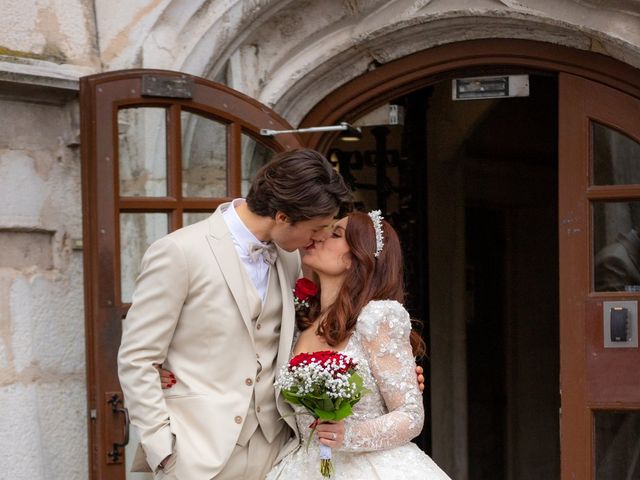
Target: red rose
(300,359)
(348,362)
(305,289)
(324,357)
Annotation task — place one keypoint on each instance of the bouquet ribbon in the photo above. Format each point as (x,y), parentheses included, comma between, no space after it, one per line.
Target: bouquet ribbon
(326,467)
(325,452)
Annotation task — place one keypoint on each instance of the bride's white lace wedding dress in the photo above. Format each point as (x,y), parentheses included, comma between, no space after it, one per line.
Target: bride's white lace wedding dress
(377,436)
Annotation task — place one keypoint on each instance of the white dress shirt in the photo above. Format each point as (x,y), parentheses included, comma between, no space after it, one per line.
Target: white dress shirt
(242,238)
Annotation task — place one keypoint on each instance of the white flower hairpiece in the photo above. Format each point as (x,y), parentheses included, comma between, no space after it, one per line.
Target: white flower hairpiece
(376,218)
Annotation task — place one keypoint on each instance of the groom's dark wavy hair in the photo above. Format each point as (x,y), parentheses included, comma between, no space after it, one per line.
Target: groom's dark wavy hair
(302,184)
(368,278)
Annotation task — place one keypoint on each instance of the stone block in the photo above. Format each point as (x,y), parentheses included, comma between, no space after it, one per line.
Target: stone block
(43,429)
(47,324)
(22,190)
(20,440)
(61,409)
(33,126)
(19,249)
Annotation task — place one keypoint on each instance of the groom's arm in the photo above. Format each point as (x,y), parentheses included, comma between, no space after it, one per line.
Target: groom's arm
(161,289)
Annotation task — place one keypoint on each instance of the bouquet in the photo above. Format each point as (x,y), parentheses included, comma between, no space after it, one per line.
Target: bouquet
(327,385)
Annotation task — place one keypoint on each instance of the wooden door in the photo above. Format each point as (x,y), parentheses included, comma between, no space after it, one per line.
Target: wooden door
(599,221)
(159,150)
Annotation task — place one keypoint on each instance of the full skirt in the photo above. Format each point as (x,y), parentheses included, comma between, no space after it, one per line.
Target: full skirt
(406,462)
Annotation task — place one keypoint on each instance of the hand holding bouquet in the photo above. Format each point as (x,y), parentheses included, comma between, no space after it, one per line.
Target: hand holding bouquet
(327,385)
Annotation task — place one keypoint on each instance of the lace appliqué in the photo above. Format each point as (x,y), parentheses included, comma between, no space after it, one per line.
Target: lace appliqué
(392,414)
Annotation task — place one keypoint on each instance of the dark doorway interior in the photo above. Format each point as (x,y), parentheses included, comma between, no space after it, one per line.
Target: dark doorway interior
(498,165)
(485,238)
(512,332)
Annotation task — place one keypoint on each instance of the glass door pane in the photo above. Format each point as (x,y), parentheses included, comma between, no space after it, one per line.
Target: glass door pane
(616,243)
(137,232)
(616,157)
(254,156)
(189,218)
(204,156)
(617,445)
(142,152)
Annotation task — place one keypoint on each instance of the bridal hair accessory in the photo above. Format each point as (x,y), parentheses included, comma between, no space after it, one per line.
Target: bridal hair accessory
(376,218)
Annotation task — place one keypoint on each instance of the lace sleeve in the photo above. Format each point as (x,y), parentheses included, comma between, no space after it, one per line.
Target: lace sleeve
(384,328)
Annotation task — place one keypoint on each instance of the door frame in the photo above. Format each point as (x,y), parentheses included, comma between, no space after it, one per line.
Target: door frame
(502,56)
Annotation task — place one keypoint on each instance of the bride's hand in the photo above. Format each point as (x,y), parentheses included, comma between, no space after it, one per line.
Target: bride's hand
(331,434)
(419,374)
(167,378)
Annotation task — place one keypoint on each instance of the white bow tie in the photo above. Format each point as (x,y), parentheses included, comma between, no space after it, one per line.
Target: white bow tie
(268,252)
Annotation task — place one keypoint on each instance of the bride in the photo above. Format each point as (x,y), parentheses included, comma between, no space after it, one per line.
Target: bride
(360,314)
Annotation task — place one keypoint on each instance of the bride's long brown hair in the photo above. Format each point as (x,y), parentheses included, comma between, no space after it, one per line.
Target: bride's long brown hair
(369,278)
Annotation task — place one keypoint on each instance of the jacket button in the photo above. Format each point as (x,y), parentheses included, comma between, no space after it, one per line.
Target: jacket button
(238,419)
(258,326)
(258,409)
(248,381)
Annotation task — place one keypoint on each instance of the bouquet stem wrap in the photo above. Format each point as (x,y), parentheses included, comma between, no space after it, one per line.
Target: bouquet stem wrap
(326,466)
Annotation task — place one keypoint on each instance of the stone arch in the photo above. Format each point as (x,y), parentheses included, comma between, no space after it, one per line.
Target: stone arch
(291,54)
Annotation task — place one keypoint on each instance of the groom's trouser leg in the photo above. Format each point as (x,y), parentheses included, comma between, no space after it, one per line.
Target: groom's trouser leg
(255,459)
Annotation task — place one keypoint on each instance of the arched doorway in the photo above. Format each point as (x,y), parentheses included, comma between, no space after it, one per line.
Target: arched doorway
(592,90)
(597,395)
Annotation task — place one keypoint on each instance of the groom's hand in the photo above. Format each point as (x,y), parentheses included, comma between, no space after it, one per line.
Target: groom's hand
(331,434)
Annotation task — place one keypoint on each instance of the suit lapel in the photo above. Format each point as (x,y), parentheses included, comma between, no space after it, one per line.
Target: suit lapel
(285,345)
(226,255)
(288,315)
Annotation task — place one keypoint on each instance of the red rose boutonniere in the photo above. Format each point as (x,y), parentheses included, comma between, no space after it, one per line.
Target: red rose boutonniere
(303,291)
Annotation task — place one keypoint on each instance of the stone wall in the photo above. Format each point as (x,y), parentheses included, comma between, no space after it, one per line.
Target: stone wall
(43,44)
(42,356)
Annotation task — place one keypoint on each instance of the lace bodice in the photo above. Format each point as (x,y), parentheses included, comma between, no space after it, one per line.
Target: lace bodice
(392,413)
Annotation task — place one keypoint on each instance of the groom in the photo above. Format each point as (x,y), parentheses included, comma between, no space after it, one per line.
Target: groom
(213,304)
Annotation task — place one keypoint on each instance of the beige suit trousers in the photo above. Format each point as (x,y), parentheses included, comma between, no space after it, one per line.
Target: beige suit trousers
(251,462)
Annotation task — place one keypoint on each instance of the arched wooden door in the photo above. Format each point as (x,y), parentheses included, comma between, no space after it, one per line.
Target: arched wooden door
(160,150)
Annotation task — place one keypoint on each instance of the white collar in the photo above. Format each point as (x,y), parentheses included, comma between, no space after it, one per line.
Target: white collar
(239,231)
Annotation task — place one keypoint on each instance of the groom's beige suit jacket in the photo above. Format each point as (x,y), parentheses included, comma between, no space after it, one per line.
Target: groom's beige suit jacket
(190,313)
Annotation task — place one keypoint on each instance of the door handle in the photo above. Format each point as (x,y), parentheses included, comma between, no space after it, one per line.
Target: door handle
(117,407)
